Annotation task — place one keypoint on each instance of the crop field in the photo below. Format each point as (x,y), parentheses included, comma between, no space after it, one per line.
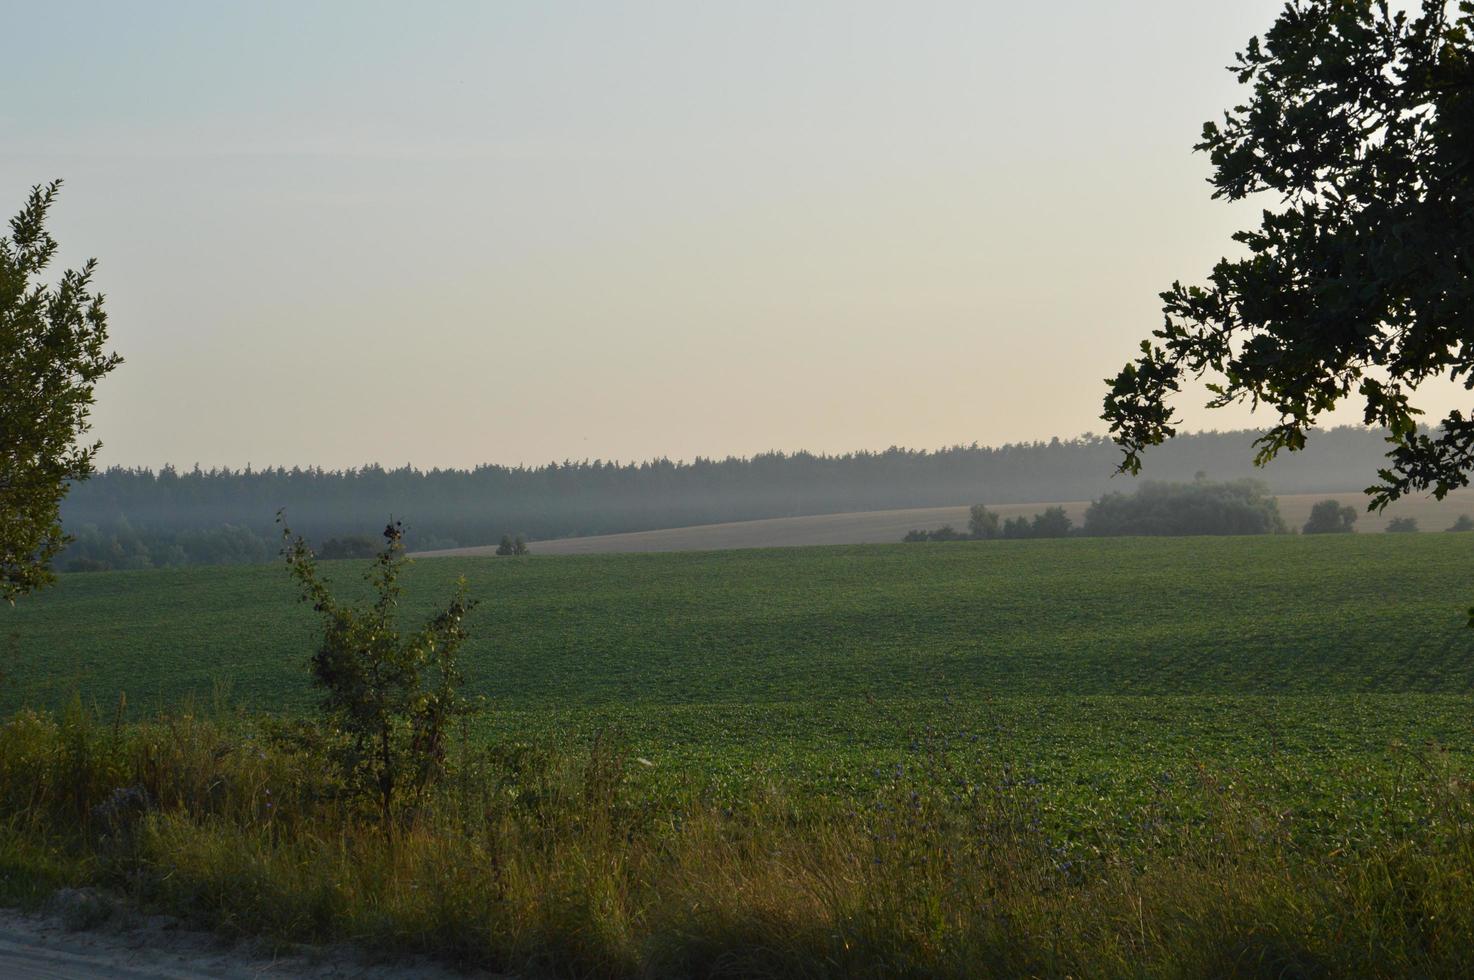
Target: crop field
(889,526)
(1103,668)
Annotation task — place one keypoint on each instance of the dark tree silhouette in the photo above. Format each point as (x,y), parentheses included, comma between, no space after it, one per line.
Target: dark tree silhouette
(1360,122)
(1330,517)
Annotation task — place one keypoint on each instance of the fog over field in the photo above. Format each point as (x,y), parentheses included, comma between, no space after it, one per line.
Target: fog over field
(888,526)
(194,516)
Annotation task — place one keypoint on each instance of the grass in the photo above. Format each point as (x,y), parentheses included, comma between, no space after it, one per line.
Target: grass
(561,862)
(1220,756)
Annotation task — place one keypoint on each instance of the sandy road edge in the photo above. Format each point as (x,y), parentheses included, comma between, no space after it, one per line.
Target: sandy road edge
(131,946)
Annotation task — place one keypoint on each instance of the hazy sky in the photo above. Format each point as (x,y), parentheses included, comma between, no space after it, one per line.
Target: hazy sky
(462,232)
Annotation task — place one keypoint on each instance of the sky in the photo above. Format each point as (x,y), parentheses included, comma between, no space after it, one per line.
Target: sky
(461,232)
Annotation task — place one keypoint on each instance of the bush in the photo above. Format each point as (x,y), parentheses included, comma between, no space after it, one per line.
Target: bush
(390,697)
(1200,507)
(1330,517)
(1464,523)
(1402,525)
(944,533)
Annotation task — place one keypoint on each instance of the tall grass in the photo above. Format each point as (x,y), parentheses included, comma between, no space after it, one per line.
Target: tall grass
(557,862)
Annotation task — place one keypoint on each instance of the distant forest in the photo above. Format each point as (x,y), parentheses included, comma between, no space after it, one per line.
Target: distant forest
(126,518)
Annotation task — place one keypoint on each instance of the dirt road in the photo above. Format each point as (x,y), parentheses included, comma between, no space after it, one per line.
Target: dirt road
(36,947)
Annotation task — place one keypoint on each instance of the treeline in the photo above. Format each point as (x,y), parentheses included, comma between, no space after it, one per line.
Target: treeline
(1174,509)
(1158,509)
(983,525)
(1155,509)
(128,517)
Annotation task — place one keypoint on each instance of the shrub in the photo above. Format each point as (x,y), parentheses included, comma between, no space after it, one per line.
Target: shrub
(944,533)
(1464,523)
(1402,525)
(1200,507)
(1330,517)
(387,697)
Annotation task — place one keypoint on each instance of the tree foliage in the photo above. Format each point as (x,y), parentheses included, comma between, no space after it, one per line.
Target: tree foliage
(982,523)
(389,698)
(509,546)
(53,341)
(1360,122)
(1200,507)
(1330,517)
(1052,522)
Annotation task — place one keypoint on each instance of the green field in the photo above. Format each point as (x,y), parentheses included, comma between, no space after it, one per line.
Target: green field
(1100,666)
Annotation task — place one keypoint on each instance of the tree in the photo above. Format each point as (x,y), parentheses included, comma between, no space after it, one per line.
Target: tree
(1360,121)
(53,341)
(1053,522)
(1330,517)
(1017,527)
(981,522)
(1402,525)
(513,546)
(1200,507)
(1464,523)
(388,697)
